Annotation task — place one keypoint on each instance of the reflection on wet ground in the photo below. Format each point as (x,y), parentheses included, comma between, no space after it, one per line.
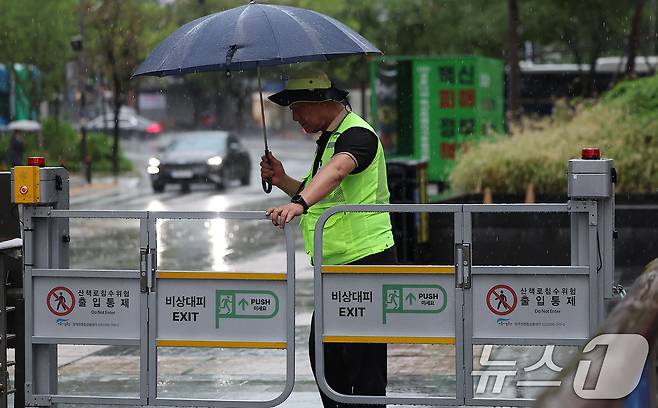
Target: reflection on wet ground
(104,244)
(259,374)
(215,244)
(210,245)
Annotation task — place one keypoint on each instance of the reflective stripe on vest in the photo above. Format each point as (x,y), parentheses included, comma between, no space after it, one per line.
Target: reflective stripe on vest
(348,237)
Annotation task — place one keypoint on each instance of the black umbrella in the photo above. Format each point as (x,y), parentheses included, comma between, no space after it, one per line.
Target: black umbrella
(254,36)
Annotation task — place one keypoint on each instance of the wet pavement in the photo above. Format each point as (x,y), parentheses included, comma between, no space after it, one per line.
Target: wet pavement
(226,245)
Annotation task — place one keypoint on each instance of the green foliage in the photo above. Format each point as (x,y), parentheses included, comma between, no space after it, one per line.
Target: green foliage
(38,32)
(59,143)
(99,147)
(60,140)
(638,97)
(583,29)
(121,33)
(624,125)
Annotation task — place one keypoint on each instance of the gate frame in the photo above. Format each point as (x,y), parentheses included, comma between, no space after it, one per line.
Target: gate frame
(456,210)
(584,217)
(41,355)
(289,236)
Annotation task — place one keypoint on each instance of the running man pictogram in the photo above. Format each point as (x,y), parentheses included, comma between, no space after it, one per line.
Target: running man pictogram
(392,299)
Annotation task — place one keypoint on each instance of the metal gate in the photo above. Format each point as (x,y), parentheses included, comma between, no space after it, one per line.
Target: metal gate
(458,317)
(269,325)
(460,304)
(475,304)
(138,306)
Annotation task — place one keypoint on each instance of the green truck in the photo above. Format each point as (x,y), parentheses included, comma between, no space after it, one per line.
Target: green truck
(431,109)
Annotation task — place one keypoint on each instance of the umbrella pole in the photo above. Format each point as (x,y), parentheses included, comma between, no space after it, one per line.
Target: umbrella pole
(267,184)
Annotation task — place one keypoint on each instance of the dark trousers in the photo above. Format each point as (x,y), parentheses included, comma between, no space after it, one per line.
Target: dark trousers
(354,368)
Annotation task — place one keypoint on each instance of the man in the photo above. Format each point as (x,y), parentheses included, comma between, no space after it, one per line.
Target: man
(16,149)
(349,168)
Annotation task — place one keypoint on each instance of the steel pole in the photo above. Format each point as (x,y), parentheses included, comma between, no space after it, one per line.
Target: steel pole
(267,184)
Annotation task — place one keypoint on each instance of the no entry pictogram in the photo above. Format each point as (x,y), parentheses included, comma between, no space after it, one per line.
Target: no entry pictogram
(60,301)
(501,300)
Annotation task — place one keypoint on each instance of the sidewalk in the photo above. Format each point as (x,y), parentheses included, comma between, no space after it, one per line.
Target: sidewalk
(100,187)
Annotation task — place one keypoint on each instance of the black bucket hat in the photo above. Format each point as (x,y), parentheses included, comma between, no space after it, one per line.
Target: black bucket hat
(310,86)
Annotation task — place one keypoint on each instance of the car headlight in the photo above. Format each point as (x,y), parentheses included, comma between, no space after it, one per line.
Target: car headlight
(215,161)
(153,169)
(154,162)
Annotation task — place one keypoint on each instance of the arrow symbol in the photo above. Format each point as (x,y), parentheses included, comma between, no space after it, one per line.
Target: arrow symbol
(410,297)
(243,303)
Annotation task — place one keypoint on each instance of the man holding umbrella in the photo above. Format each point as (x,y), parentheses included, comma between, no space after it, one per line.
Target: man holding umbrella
(349,168)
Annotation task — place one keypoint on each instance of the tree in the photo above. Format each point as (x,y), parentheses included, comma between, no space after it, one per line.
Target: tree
(512,59)
(634,38)
(578,32)
(119,37)
(37,33)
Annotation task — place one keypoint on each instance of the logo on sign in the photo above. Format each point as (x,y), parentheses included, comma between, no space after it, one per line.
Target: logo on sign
(617,373)
(501,300)
(60,301)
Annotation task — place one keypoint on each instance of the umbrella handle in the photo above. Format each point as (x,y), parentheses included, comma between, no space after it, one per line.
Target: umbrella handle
(267,184)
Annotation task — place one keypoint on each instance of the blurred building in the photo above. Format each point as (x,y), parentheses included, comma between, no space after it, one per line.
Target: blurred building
(542,84)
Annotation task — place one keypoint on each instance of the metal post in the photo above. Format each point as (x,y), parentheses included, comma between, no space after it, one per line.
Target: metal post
(593,178)
(19,354)
(45,244)
(4,374)
(78,46)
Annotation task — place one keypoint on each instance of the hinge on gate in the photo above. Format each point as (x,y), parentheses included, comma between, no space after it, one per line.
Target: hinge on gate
(463,266)
(590,206)
(38,400)
(143,270)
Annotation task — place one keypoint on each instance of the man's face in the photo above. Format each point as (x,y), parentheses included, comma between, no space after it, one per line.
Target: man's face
(308,115)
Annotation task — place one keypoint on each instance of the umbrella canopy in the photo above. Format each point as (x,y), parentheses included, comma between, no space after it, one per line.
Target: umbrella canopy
(25,125)
(252,36)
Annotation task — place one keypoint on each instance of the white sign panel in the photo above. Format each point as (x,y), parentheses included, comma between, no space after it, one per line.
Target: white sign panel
(221,310)
(86,307)
(530,307)
(389,305)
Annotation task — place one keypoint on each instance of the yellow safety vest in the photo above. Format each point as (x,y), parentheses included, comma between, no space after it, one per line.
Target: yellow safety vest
(349,236)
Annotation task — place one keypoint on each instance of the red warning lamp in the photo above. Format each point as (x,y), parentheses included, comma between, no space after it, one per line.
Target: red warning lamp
(36,161)
(590,153)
